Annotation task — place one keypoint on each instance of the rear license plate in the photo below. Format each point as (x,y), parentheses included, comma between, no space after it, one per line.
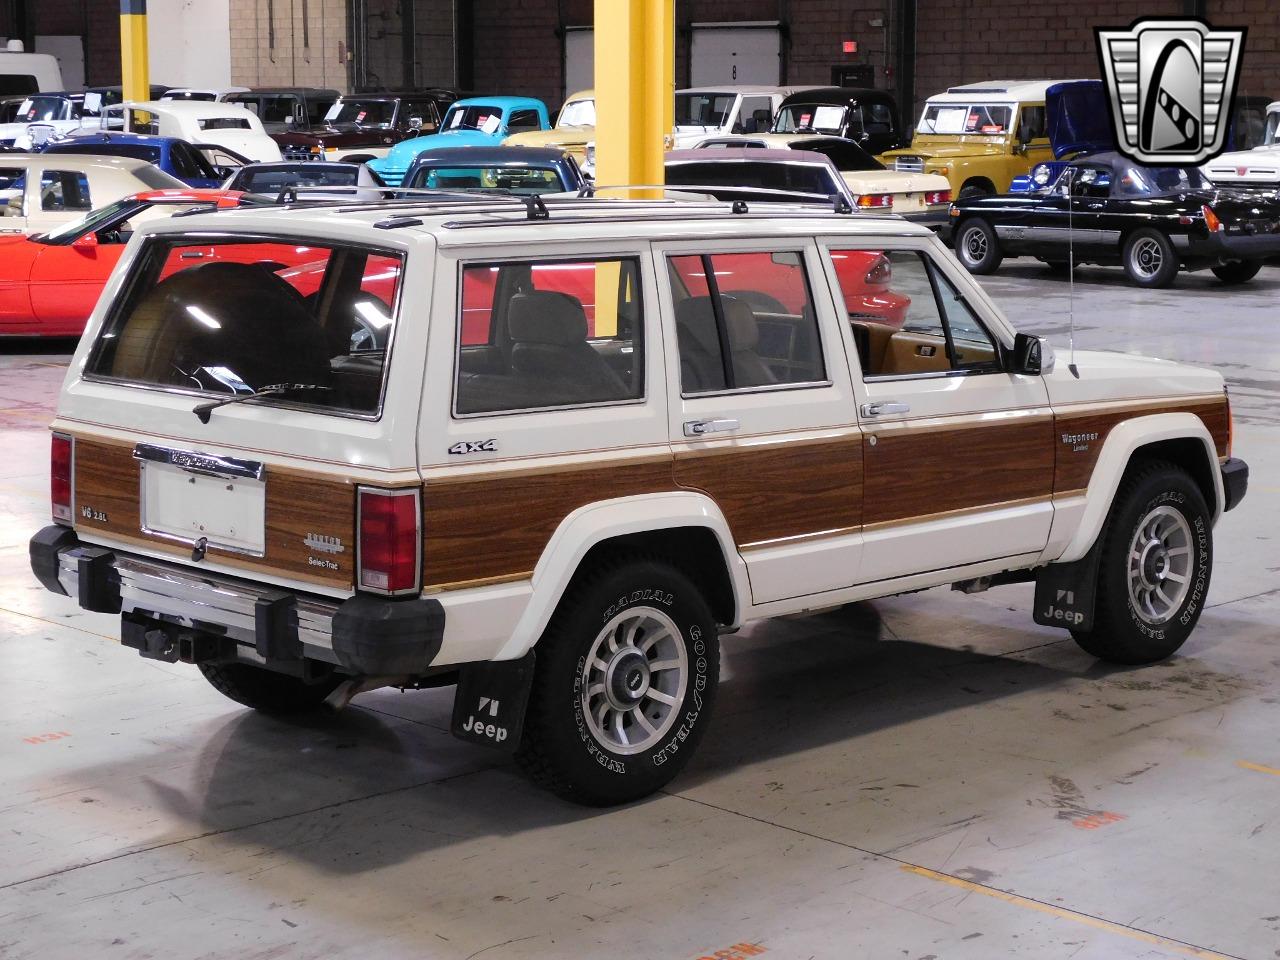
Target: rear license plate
(229,512)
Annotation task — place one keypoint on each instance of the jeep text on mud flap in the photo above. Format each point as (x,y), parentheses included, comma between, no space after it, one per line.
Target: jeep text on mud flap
(552,460)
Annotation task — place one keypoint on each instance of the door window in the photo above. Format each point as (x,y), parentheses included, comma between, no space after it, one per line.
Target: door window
(877,118)
(744,321)
(523,120)
(1031,124)
(755,115)
(64,190)
(908,318)
(538,334)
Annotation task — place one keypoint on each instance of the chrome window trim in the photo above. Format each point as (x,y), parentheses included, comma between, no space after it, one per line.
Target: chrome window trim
(457,342)
(219,236)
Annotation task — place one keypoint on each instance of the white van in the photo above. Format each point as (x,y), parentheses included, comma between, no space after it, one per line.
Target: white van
(23,73)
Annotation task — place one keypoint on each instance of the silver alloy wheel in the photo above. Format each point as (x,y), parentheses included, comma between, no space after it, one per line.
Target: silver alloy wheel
(974,244)
(633,680)
(1147,257)
(1160,560)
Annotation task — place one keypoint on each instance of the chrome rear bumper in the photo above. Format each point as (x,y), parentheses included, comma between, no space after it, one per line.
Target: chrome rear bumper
(167,607)
(205,601)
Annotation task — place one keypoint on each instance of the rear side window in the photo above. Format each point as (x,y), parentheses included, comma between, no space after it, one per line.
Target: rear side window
(523,120)
(744,321)
(230,318)
(64,190)
(538,334)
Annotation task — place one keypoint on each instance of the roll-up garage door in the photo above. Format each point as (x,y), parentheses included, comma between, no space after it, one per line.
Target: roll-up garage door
(736,53)
(579,60)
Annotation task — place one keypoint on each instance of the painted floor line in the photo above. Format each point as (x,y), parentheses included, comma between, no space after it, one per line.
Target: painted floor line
(58,623)
(1246,765)
(1168,943)
(1086,919)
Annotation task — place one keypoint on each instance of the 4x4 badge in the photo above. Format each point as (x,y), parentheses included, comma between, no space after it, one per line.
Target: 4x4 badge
(474,446)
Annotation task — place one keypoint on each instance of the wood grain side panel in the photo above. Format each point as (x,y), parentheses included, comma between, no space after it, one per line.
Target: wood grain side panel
(777,491)
(495,526)
(935,471)
(1076,459)
(298,503)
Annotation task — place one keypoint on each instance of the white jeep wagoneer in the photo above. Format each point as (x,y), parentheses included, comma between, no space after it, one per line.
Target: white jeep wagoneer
(551,454)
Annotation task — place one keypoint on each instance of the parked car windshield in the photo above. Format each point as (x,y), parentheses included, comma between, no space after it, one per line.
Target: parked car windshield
(248,314)
(983,119)
(810,117)
(703,109)
(275,179)
(578,113)
(364,113)
(37,109)
(480,117)
(523,180)
(103,215)
(1139,181)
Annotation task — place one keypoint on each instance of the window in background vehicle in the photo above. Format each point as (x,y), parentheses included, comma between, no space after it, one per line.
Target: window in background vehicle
(811,118)
(224,123)
(64,190)
(798,177)
(755,115)
(15,83)
(232,317)
(1031,124)
(744,320)
(578,113)
(523,120)
(538,334)
(522,180)
(277,109)
(877,117)
(907,317)
(953,118)
(703,109)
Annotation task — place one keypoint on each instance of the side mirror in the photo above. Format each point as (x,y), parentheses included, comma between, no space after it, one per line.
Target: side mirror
(1032,355)
(85,241)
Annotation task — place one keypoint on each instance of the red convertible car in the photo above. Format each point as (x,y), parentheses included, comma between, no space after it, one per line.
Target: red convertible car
(49,283)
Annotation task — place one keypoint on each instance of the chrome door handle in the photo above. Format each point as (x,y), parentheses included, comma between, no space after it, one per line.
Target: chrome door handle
(698,428)
(881,407)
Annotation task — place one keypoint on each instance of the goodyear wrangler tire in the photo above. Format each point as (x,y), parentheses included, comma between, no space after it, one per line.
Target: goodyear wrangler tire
(1157,557)
(624,684)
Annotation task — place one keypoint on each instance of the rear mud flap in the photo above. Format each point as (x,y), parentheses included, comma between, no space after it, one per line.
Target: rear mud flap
(1066,593)
(489,705)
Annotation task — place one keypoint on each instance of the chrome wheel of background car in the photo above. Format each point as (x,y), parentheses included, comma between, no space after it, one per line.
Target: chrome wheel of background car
(974,244)
(633,679)
(1160,562)
(1147,257)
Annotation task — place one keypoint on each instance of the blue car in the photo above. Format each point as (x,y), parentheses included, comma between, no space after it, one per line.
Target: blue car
(519,170)
(175,157)
(474,122)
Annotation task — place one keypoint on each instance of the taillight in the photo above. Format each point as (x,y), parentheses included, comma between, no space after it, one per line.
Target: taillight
(1211,219)
(876,200)
(937,196)
(881,270)
(62,467)
(389,547)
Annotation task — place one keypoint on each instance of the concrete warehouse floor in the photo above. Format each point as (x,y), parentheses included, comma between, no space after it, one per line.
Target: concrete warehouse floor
(930,776)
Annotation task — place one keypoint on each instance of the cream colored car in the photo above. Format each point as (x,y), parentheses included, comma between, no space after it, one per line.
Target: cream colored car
(575,128)
(39,192)
(921,197)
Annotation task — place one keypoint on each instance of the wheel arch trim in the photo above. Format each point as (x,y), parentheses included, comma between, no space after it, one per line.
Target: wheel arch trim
(596,523)
(1123,441)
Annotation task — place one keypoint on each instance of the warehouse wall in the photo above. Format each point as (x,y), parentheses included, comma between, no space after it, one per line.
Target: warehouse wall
(189,42)
(295,43)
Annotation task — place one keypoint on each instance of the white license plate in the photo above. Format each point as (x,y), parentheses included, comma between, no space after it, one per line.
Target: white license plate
(228,512)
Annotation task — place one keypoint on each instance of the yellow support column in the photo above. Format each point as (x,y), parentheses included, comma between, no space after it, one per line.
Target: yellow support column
(635,90)
(133,50)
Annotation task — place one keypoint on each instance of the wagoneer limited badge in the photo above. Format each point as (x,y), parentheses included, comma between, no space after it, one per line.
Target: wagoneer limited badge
(323,544)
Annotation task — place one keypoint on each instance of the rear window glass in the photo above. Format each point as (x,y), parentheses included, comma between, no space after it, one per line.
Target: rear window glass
(224,123)
(230,318)
(136,151)
(273,180)
(807,178)
(524,180)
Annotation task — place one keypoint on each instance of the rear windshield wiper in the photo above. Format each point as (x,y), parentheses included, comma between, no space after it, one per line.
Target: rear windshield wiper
(203,410)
